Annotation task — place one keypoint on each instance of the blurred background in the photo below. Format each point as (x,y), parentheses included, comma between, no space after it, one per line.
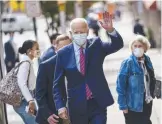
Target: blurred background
(38,20)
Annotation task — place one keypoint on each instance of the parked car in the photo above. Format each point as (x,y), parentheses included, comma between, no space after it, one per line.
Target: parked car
(16,22)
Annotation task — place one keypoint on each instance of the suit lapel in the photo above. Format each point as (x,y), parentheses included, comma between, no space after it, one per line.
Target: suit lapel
(87,55)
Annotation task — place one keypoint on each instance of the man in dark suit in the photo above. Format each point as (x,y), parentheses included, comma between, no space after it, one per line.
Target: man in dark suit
(138,28)
(47,113)
(11,53)
(82,63)
(50,51)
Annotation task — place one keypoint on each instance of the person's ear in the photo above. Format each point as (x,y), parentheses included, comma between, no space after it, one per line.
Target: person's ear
(88,32)
(145,49)
(70,32)
(55,47)
(70,35)
(29,52)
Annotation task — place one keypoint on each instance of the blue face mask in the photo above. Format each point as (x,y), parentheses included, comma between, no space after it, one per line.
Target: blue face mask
(11,38)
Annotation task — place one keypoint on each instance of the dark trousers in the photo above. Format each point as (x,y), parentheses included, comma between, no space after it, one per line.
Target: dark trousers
(139,117)
(96,115)
(93,114)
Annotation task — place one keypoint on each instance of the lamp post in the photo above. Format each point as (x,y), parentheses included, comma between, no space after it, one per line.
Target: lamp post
(33,10)
(3,113)
(78,9)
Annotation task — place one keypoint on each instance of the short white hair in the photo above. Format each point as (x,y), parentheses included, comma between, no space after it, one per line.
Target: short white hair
(142,40)
(77,20)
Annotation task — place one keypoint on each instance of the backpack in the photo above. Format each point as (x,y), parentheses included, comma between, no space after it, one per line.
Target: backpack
(10,92)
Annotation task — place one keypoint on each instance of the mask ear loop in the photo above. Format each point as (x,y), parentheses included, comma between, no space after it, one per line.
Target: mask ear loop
(28,52)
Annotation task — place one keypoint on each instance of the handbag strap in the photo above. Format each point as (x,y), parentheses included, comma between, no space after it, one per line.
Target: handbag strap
(18,66)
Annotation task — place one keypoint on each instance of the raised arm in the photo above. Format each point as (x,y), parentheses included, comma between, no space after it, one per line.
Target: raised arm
(115,44)
(116,40)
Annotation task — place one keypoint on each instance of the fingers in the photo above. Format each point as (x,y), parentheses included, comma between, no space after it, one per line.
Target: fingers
(31,111)
(64,115)
(50,122)
(125,111)
(55,116)
(106,16)
(53,119)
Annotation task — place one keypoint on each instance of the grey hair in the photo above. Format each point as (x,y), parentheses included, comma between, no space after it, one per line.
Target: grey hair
(142,40)
(77,20)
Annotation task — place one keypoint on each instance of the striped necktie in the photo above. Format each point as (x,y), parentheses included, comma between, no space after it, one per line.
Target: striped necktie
(82,70)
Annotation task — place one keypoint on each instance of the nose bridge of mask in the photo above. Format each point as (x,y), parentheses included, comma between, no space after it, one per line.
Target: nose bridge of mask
(79,35)
(139,49)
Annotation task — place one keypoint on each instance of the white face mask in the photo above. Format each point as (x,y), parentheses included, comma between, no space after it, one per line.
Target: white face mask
(80,39)
(37,54)
(138,52)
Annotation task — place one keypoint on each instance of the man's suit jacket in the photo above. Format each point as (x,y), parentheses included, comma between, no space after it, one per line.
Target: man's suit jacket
(95,53)
(10,55)
(47,54)
(138,29)
(44,86)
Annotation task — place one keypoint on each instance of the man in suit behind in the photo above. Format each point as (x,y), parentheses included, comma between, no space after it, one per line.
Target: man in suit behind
(11,53)
(82,63)
(138,28)
(47,113)
(50,51)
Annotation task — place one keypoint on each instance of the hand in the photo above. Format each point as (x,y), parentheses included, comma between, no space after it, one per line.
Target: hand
(125,111)
(64,114)
(107,22)
(53,119)
(31,107)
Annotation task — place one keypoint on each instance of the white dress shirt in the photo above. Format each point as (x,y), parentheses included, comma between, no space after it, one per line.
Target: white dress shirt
(26,84)
(77,58)
(77,53)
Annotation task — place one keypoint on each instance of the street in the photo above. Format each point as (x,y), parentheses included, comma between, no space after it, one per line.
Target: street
(111,66)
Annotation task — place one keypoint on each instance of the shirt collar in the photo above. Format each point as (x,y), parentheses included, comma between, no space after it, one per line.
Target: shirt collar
(26,58)
(77,47)
(142,60)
